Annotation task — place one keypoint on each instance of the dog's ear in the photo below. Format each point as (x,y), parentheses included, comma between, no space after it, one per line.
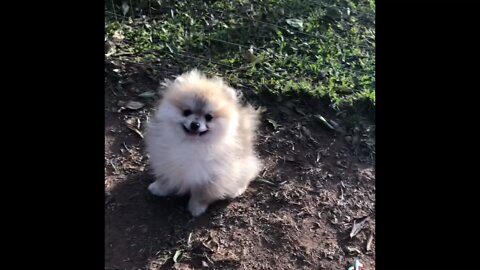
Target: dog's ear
(192,75)
(164,84)
(181,78)
(232,93)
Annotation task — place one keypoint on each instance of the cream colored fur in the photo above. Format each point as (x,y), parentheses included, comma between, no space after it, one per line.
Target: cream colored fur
(216,165)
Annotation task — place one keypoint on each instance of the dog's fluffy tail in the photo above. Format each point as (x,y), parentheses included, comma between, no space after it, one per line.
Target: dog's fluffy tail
(249,121)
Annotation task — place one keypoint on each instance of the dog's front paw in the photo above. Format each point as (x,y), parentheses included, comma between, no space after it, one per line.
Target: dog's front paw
(196,208)
(156,189)
(239,192)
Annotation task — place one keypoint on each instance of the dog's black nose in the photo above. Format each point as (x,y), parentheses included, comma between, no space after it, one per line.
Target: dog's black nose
(194,126)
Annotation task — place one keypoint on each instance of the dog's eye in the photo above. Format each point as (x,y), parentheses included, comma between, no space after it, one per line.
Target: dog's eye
(208,117)
(187,112)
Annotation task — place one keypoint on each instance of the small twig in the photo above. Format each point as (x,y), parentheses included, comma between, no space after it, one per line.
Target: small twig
(111,163)
(134,129)
(264,181)
(124,145)
(358,226)
(122,54)
(369,242)
(270,152)
(189,239)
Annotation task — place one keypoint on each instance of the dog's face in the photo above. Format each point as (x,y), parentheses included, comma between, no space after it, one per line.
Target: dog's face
(199,116)
(200,109)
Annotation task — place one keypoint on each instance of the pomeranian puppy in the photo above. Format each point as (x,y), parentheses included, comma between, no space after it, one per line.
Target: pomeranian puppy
(200,141)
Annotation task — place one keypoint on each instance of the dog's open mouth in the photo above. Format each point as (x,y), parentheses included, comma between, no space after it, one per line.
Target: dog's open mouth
(194,132)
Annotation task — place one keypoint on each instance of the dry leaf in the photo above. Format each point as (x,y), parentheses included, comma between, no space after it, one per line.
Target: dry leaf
(273,123)
(134,129)
(189,240)
(369,242)
(178,256)
(353,250)
(131,121)
(334,13)
(358,226)
(300,111)
(324,121)
(147,94)
(182,266)
(118,36)
(307,132)
(261,180)
(249,56)
(134,105)
(297,23)
(125,8)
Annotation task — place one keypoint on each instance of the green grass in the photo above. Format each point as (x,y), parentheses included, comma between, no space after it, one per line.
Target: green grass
(318,48)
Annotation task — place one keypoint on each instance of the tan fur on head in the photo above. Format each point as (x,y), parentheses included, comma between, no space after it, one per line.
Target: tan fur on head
(200,141)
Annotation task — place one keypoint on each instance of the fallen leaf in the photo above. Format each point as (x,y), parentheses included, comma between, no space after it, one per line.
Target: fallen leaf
(118,36)
(274,124)
(358,226)
(125,8)
(147,94)
(249,56)
(110,48)
(182,266)
(138,123)
(369,242)
(264,181)
(261,109)
(210,244)
(324,121)
(189,240)
(353,250)
(297,23)
(170,49)
(334,13)
(205,264)
(334,124)
(178,256)
(299,111)
(307,132)
(131,121)
(355,139)
(134,129)
(134,105)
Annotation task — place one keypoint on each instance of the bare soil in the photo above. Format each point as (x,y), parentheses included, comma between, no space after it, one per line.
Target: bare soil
(297,215)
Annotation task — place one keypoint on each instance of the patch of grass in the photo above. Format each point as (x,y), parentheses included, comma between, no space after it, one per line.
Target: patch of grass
(283,47)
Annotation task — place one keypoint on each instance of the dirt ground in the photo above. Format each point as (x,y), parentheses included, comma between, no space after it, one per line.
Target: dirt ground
(299,215)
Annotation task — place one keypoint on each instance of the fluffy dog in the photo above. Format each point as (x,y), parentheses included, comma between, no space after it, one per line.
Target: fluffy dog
(200,141)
